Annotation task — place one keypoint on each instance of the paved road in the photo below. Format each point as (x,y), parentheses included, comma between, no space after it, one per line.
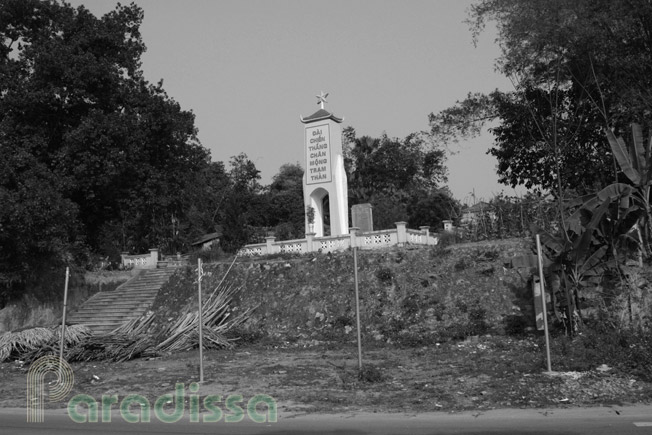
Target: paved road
(635,420)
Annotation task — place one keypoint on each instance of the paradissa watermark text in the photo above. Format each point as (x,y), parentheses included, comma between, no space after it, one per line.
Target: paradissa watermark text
(170,408)
(136,408)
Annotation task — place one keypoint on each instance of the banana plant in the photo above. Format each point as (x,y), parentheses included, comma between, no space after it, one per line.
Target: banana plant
(635,160)
(593,239)
(607,223)
(576,262)
(588,247)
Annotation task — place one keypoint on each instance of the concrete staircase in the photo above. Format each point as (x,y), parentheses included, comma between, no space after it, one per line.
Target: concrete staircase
(105,311)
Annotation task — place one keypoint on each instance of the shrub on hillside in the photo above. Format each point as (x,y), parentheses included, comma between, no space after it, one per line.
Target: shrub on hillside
(629,351)
(515,324)
(477,321)
(370,374)
(215,253)
(448,238)
(385,275)
(243,335)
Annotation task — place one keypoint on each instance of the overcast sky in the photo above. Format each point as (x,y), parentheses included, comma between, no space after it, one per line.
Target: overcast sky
(248,69)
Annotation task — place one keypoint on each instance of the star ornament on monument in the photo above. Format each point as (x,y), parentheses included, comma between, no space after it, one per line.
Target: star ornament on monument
(321,98)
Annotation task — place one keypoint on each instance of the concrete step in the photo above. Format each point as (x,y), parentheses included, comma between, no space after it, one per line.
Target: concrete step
(144,294)
(104,315)
(124,302)
(101,329)
(124,306)
(123,294)
(119,320)
(108,311)
(105,319)
(138,288)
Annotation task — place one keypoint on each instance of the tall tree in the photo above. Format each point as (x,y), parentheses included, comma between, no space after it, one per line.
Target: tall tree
(600,48)
(433,209)
(577,65)
(99,159)
(243,205)
(285,196)
(391,173)
(375,165)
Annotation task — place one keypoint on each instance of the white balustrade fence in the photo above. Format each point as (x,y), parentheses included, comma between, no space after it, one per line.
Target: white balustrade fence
(401,236)
(141,261)
(369,240)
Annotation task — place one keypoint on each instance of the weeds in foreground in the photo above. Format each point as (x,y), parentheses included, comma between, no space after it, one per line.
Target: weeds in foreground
(370,374)
(627,351)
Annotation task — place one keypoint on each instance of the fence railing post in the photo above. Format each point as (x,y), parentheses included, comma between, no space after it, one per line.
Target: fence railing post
(401,233)
(426,231)
(153,257)
(310,238)
(269,240)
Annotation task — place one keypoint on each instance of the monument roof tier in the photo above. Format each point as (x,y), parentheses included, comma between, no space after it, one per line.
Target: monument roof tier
(320,115)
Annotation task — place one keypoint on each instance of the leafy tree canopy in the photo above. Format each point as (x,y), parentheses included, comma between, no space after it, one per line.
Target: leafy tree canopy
(577,66)
(398,177)
(93,158)
(285,199)
(375,165)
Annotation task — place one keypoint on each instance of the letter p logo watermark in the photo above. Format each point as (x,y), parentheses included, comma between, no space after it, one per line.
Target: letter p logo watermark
(36,382)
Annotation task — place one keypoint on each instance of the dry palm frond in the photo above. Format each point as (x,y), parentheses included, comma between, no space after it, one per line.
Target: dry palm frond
(29,344)
(34,337)
(33,355)
(74,334)
(112,347)
(20,342)
(5,346)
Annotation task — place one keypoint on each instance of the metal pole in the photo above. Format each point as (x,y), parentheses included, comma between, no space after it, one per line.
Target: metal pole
(542,282)
(357,304)
(63,324)
(201,324)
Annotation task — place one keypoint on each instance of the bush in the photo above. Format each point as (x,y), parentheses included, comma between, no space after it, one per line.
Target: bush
(342,322)
(477,321)
(448,238)
(370,374)
(282,256)
(215,253)
(243,336)
(384,275)
(629,351)
(286,231)
(515,324)
(464,263)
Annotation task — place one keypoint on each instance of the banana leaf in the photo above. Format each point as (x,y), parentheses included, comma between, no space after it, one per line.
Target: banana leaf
(622,155)
(637,152)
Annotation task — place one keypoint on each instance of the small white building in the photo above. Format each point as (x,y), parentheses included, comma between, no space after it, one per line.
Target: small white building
(474,213)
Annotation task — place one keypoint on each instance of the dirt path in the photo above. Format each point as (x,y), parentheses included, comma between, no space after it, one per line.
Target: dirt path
(487,374)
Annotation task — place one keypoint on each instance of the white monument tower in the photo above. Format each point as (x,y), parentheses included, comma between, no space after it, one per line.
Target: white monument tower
(324,181)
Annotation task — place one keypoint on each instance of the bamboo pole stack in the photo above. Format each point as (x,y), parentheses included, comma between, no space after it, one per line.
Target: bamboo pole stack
(217,319)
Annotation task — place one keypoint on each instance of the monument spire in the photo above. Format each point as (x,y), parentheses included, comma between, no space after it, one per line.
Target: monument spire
(321,98)
(324,179)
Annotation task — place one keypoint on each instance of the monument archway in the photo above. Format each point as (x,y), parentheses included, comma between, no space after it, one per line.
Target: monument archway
(324,181)
(320,202)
